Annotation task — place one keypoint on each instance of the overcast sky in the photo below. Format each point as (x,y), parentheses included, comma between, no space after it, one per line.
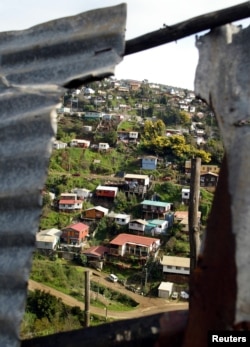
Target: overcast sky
(171,64)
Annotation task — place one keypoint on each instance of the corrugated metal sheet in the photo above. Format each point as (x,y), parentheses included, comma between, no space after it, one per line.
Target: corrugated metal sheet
(223,80)
(35,65)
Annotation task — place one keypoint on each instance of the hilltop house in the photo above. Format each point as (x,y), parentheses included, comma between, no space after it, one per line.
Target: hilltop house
(106,191)
(93,115)
(149,163)
(139,246)
(80,143)
(75,234)
(69,202)
(155,209)
(103,146)
(96,212)
(185,194)
(156,227)
(137,226)
(181,217)
(205,168)
(209,179)
(137,184)
(59,144)
(48,239)
(82,193)
(119,218)
(175,269)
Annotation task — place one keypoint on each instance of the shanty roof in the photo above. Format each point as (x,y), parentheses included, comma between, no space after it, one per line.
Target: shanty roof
(96,251)
(155,203)
(77,226)
(98,208)
(175,261)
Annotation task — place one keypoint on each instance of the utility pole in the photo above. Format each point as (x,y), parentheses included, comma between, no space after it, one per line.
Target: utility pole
(87,298)
(193,221)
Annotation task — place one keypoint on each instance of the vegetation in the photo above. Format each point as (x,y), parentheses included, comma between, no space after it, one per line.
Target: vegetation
(151,114)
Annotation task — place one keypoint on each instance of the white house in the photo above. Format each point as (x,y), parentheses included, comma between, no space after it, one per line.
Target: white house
(127,244)
(175,265)
(103,146)
(48,239)
(80,143)
(185,194)
(133,135)
(165,290)
(141,180)
(59,145)
(82,193)
(157,227)
(69,202)
(119,218)
(138,225)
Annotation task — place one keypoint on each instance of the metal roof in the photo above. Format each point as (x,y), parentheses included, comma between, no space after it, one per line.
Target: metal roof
(36,66)
(155,203)
(175,261)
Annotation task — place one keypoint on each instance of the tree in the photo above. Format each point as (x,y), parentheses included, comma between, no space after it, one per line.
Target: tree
(43,304)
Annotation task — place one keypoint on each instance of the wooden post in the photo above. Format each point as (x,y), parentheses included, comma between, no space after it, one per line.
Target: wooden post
(193,221)
(87,298)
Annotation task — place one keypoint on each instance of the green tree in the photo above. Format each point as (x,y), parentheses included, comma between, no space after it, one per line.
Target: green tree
(43,304)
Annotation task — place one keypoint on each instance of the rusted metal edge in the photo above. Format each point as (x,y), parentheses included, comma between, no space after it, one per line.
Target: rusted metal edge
(138,332)
(35,66)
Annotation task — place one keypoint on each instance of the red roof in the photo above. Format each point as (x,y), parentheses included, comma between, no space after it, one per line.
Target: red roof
(96,251)
(69,202)
(136,239)
(77,226)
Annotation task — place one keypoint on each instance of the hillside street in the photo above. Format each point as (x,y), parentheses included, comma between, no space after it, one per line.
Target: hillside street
(146,305)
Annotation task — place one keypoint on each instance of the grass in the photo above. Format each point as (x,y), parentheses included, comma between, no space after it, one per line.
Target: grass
(68,278)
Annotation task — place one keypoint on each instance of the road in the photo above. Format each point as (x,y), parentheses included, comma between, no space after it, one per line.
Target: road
(146,305)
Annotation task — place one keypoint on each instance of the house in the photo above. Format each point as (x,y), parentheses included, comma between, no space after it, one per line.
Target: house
(107,117)
(137,226)
(185,194)
(119,218)
(137,184)
(175,265)
(142,180)
(102,146)
(134,85)
(181,217)
(165,290)
(156,227)
(48,239)
(95,256)
(96,252)
(82,193)
(59,145)
(93,115)
(209,179)
(75,234)
(149,163)
(128,244)
(205,168)
(106,191)
(133,135)
(80,143)
(155,208)
(96,212)
(69,202)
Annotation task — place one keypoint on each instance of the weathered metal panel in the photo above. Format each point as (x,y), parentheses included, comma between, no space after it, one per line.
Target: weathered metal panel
(35,65)
(223,80)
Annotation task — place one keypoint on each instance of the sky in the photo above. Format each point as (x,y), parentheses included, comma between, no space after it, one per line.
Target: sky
(172,64)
